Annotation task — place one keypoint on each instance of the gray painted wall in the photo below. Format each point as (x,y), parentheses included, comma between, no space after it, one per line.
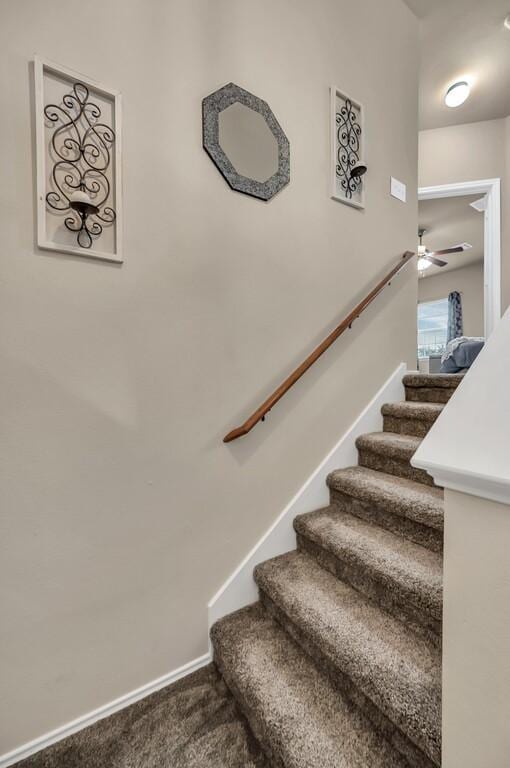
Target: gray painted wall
(123,511)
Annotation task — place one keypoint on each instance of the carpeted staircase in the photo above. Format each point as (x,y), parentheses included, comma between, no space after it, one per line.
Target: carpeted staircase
(339,663)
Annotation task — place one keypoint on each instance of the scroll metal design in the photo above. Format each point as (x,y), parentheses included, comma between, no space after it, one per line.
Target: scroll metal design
(80,149)
(348,132)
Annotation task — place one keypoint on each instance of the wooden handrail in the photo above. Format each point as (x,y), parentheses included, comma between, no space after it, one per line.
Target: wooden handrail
(266,406)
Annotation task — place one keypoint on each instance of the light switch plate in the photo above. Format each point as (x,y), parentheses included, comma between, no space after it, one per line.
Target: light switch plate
(398,189)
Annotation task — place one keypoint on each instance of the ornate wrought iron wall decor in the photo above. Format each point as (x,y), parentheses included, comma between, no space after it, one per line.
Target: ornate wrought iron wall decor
(81,145)
(212,106)
(348,167)
(78,164)
(348,134)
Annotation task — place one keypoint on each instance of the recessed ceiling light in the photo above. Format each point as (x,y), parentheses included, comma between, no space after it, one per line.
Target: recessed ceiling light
(457,94)
(507,22)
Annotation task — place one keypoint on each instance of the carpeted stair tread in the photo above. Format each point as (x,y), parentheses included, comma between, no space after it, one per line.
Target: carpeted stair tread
(398,672)
(405,409)
(400,447)
(409,572)
(431,388)
(299,717)
(418,502)
(409,410)
(410,418)
(448,380)
(391,453)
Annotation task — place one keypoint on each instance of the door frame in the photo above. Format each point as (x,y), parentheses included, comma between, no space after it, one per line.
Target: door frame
(492,238)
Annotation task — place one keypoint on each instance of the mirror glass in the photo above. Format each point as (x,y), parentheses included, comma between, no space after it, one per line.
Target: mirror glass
(248,142)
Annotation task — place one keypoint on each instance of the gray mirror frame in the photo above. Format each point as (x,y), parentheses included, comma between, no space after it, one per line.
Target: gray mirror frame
(215,103)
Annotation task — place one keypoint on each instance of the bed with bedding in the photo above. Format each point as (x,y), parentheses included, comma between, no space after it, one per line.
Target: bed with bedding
(461,353)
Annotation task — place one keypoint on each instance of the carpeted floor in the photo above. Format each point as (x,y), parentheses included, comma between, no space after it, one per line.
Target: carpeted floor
(192,724)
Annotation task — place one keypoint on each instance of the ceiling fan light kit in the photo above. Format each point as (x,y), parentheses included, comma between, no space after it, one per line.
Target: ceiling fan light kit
(457,94)
(426,258)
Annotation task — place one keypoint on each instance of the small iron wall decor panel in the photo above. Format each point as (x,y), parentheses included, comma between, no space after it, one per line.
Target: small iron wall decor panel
(246,142)
(78,144)
(348,165)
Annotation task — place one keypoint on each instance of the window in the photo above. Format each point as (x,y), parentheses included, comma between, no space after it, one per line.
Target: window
(432,327)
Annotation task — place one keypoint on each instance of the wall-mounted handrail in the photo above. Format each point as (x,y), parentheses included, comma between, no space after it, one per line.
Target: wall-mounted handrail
(284,387)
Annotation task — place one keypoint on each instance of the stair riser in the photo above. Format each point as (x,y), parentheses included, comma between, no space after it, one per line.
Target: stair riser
(428,394)
(399,426)
(393,466)
(386,727)
(383,594)
(427,537)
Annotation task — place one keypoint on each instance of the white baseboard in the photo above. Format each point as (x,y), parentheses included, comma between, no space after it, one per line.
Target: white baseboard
(20,753)
(240,589)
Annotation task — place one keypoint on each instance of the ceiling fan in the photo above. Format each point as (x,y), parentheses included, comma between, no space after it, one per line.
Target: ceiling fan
(426,258)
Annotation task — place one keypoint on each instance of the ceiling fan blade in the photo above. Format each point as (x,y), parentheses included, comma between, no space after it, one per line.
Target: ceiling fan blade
(433,260)
(445,251)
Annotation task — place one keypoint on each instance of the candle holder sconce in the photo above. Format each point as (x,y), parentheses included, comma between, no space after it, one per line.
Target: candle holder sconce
(348,165)
(78,164)
(81,145)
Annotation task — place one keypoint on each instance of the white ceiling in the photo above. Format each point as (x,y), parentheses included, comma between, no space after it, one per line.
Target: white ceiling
(463,39)
(450,221)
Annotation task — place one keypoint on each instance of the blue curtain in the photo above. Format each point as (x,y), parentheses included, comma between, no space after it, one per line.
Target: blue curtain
(455,327)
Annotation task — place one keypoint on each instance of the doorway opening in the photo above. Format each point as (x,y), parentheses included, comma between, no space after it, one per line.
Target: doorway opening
(459,273)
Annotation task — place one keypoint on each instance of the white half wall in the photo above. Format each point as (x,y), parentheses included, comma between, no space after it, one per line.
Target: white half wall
(466,451)
(240,589)
(476,633)
(467,448)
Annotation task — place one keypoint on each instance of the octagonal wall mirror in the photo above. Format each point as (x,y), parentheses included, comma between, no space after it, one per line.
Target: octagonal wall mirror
(246,142)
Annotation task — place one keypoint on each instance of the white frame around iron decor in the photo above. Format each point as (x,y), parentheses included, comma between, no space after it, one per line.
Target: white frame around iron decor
(492,238)
(42,65)
(334,94)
